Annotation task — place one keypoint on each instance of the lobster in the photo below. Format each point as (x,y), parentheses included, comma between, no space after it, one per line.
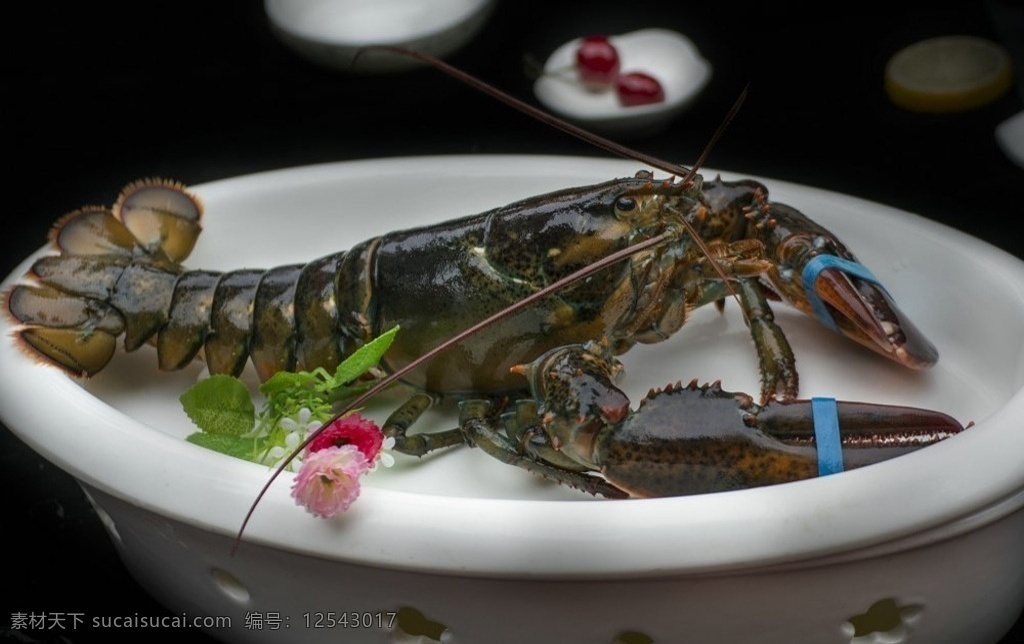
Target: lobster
(118,271)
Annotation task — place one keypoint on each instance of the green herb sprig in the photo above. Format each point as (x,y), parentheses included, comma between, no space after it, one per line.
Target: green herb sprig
(223,408)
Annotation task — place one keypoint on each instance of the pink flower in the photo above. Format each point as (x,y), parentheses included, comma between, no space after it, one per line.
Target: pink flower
(352,429)
(328,481)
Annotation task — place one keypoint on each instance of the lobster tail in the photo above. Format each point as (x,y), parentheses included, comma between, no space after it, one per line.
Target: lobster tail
(118,272)
(68,331)
(115,273)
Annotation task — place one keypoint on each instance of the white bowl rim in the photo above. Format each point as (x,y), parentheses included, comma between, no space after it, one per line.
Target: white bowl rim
(512,538)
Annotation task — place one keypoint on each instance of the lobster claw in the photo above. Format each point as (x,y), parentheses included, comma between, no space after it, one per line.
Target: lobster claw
(867,432)
(848,299)
(698,439)
(694,439)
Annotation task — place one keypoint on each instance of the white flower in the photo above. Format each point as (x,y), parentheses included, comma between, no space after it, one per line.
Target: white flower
(301,423)
(384,457)
(276,455)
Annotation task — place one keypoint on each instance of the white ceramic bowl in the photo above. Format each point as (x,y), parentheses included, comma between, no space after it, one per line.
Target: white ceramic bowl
(667,55)
(927,545)
(331,32)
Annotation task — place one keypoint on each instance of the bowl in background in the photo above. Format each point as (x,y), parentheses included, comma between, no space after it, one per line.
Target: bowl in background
(331,32)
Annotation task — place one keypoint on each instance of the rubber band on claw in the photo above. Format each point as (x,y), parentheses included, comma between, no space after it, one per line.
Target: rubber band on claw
(824,262)
(826,435)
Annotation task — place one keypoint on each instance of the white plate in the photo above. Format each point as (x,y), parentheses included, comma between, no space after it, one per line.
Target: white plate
(121,433)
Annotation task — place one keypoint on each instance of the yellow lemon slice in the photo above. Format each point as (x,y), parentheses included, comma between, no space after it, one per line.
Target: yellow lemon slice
(948,74)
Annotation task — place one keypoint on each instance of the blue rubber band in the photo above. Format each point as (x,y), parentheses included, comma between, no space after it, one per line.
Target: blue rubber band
(826,435)
(822,262)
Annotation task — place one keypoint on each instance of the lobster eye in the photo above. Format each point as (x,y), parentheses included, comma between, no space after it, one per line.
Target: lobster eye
(625,204)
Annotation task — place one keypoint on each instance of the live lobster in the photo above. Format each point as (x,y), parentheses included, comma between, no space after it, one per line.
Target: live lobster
(118,272)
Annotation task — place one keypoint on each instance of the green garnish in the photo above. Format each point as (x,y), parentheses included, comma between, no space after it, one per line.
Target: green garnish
(222,407)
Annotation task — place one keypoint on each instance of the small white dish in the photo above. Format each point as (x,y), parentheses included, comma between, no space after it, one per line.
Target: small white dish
(666,55)
(330,32)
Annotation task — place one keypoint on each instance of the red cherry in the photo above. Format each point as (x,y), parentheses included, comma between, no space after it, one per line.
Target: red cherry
(597,62)
(638,88)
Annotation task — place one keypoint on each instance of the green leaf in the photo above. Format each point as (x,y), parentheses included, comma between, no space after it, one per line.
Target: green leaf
(283,381)
(237,446)
(220,405)
(364,358)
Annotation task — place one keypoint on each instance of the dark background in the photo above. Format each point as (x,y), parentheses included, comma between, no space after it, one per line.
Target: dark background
(96,94)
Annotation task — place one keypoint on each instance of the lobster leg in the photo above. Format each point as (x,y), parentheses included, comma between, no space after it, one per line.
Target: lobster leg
(398,423)
(779,378)
(477,425)
(476,428)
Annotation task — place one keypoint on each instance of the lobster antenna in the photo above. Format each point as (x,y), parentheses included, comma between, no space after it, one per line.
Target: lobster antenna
(687,174)
(730,115)
(539,114)
(393,377)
